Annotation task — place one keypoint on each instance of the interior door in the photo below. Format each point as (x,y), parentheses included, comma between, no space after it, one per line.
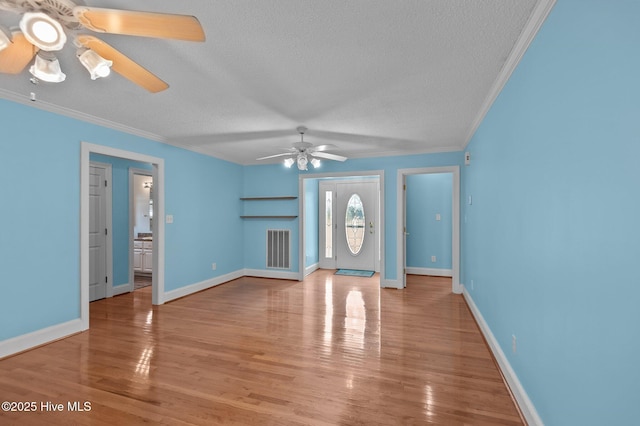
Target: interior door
(97,234)
(356,218)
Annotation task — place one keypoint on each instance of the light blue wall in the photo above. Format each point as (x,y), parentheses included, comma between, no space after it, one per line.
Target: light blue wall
(40,236)
(278,180)
(120,212)
(551,239)
(268,181)
(428,195)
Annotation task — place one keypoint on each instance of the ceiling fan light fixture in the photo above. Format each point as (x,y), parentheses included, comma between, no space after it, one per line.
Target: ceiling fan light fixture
(302,162)
(288,162)
(96,65)
(315,163)
(47,68)
(43,31)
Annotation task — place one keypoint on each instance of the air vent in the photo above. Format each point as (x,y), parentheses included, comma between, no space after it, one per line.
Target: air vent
(278,248)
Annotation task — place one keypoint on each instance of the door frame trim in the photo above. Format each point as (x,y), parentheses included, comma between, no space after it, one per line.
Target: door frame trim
(141,172)
(86,148)
(456,287)
(301,215)
(108,242)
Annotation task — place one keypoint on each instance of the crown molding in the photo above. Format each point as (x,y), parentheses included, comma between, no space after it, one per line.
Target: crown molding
(539,14)
(68,112)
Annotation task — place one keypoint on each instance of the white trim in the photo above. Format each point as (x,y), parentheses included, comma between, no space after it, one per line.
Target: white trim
(23,342)
(134,171)
(57,109)
(122,289)
(456,287)
(202,285)
(536,19)
(434,272)
(301,212)
(158,247)
(269,273)
(397,284)
(108,243)
(310,269)
(526,406)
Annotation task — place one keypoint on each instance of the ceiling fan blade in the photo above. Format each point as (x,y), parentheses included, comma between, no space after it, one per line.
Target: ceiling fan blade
(321,148)
(329,156)
(274,156)
(17,55)
(145,24)
(124,66)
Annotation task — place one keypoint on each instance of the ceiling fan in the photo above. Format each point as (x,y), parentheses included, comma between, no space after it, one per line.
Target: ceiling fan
(43,30)
(304,153)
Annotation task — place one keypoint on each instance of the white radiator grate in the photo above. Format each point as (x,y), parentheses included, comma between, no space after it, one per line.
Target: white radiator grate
(278,248)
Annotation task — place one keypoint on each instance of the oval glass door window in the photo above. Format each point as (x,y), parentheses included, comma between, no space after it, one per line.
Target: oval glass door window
(354,224)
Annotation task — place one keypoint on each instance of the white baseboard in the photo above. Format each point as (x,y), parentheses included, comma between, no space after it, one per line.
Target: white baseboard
(121,289)
(526,406)
(390,284)
(430,271)
(310,269)
(268,273)
(39,337)
(202,285)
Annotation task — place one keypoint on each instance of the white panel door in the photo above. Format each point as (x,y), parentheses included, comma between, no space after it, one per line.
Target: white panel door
(97,234)
(357,218)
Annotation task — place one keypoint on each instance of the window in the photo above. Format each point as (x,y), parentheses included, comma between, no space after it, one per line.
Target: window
(354,224)
(328,235)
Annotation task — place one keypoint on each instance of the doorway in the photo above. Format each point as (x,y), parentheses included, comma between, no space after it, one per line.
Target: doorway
(312,226)
(348,224)
(141,218)
(402,231)
(158,293)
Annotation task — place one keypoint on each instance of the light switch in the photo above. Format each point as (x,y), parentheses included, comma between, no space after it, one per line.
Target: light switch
(169,218)
(437,216)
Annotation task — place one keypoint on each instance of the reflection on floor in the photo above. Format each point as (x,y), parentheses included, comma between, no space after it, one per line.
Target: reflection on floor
(141,281)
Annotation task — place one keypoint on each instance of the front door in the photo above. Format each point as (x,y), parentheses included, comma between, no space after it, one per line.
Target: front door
(97,234)
(356,218)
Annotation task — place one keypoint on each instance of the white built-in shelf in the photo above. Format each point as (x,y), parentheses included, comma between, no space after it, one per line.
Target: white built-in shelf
(287,197)
(268,217)
(268,198)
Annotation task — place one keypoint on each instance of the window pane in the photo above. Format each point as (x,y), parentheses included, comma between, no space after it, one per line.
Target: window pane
(354,224)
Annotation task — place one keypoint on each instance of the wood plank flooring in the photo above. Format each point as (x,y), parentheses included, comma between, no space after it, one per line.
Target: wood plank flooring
(332,350)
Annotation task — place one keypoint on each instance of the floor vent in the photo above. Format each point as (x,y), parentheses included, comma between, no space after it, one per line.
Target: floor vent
(278,248)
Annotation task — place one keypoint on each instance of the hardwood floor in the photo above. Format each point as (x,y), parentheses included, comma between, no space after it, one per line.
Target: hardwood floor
(332,350)
(141,281)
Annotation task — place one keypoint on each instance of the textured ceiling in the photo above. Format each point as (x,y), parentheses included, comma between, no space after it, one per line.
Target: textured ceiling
(373,77)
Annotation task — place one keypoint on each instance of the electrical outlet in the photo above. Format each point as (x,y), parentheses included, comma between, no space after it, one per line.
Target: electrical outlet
(438,216)
(514,346)
(433,258)
(214,266)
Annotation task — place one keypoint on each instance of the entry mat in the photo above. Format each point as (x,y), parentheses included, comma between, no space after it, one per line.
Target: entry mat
(354,272)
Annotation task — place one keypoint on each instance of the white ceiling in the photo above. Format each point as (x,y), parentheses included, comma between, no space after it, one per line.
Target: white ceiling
(373,77)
